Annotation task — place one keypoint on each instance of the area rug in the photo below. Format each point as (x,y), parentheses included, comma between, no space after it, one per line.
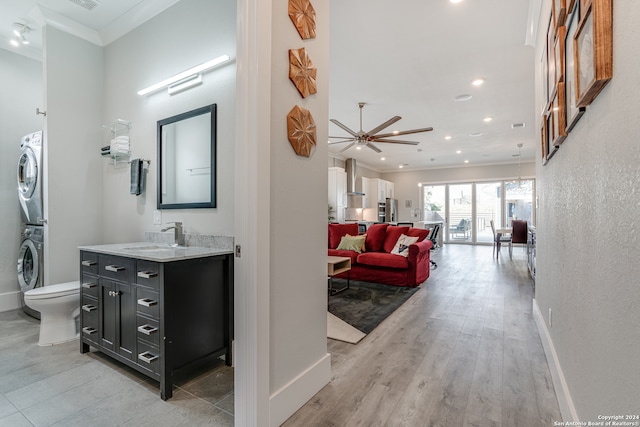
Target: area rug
(365,305)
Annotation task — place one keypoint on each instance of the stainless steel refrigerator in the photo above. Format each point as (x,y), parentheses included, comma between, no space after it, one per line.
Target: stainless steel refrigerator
(391,210)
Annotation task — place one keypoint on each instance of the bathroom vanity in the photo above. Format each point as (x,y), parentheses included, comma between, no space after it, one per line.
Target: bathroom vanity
(158,309)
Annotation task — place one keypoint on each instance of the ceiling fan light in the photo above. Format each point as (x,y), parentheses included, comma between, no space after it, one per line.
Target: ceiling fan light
(14,42)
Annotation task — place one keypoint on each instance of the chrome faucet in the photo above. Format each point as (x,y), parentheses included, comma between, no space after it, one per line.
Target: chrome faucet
(178,234)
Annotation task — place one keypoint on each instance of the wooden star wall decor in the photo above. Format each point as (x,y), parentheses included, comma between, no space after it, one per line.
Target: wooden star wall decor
(302,72)
(303,16)
(301,130)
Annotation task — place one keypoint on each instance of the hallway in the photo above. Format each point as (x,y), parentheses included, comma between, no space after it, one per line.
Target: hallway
(463,351)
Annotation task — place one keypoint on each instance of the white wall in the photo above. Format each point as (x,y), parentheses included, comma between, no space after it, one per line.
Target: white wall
(406,182)
(300,364)
(588,243)
(21,89)
(72,179)
(187,34)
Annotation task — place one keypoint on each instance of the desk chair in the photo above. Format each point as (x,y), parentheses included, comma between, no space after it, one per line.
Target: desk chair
(519,235)
(497,241)
(433,237)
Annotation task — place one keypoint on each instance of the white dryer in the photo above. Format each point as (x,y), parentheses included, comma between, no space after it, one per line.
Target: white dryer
(31,262)
(30,179)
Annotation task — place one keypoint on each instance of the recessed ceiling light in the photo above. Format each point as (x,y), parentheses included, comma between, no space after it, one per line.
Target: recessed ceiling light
(448,137)
(462,97)
(477,82)
(455,1)
(400,166)
(358,148)
(475,134)
(487,119)
(383,158)
(466,161)
(458,151)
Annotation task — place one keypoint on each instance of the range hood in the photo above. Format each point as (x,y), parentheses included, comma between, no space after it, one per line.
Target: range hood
(354,198)
(350,168)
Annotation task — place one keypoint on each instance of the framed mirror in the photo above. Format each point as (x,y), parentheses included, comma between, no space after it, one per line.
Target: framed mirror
(187,160)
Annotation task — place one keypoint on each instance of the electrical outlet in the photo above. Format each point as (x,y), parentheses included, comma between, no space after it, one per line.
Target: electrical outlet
(157,217)
(550,324)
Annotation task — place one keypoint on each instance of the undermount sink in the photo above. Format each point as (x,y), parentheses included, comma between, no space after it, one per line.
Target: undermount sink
(150,248)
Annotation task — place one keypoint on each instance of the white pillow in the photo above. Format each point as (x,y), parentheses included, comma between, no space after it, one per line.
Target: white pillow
(402,245)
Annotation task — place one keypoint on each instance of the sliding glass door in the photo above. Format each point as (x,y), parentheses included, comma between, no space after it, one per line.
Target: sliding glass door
(467,209)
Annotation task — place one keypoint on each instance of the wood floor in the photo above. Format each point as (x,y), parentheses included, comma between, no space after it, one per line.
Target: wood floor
(463,351)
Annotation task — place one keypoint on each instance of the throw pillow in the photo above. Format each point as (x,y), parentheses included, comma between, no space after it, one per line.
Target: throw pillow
(375,237)
(352,243)
(393,233)
(402,245)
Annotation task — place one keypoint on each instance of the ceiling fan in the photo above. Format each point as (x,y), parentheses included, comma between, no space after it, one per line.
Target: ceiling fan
(366,138)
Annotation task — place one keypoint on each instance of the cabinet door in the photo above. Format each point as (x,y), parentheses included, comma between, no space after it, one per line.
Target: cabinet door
(126,323)
(108,313)
(341,188)
(117,317)
(382,191)
(390,187)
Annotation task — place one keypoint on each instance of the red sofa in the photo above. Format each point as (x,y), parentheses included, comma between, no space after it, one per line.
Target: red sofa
(376,263)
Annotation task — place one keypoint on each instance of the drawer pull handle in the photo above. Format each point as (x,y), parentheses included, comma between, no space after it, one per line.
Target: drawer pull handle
(147,274)
(147,357)
(114,293)
(89,285)
(89,330)
(89,308)
(88,263)
(147,329)
(147,302)
(113,268)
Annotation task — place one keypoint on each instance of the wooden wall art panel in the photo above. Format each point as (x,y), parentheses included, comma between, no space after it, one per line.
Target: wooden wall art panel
(302,72)
(303,16)
(301,130)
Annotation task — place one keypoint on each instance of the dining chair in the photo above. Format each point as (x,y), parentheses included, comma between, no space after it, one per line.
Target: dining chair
(433,236)
(498,240)
(519,235)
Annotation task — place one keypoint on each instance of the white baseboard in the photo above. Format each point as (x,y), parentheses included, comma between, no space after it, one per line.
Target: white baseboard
(286,401)
(10,301)
(567,409)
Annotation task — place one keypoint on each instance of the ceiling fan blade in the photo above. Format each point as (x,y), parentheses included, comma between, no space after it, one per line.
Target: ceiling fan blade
(337,123)
(388,123)
(340,142)
(347,147)
(374,148)
(405,132)
(393,141)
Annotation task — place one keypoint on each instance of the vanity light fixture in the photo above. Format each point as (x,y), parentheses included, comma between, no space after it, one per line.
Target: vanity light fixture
(185,84)
(185,77)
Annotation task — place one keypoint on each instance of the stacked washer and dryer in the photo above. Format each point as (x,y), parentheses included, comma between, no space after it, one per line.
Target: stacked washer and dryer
(31,254)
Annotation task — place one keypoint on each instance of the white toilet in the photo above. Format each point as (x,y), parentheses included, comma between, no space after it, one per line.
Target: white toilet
(59,306)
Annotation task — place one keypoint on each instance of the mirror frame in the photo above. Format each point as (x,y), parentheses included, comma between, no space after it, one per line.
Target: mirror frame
(183,116)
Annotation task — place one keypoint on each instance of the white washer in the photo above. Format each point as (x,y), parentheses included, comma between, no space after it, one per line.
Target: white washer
(30,178)
(31,262)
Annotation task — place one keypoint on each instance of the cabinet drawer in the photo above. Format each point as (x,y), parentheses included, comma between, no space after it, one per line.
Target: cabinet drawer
(89,262)
(148,274)
(89,285)
(148,302)
(148,356)
(116,267)
(148,330)
(90,318)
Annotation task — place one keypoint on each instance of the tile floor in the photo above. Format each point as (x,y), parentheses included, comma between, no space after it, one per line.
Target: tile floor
(58,386)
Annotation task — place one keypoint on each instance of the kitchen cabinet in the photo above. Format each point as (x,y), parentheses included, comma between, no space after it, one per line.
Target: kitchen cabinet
(162,319)
(383,189)
(366,199)
(338,192)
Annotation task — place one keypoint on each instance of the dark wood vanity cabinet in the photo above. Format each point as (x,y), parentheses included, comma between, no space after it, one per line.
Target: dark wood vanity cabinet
(160,318)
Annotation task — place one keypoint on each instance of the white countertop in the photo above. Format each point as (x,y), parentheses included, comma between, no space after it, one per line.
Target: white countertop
(157,252)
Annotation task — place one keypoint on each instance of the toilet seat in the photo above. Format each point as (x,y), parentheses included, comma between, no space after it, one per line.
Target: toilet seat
(53,291)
